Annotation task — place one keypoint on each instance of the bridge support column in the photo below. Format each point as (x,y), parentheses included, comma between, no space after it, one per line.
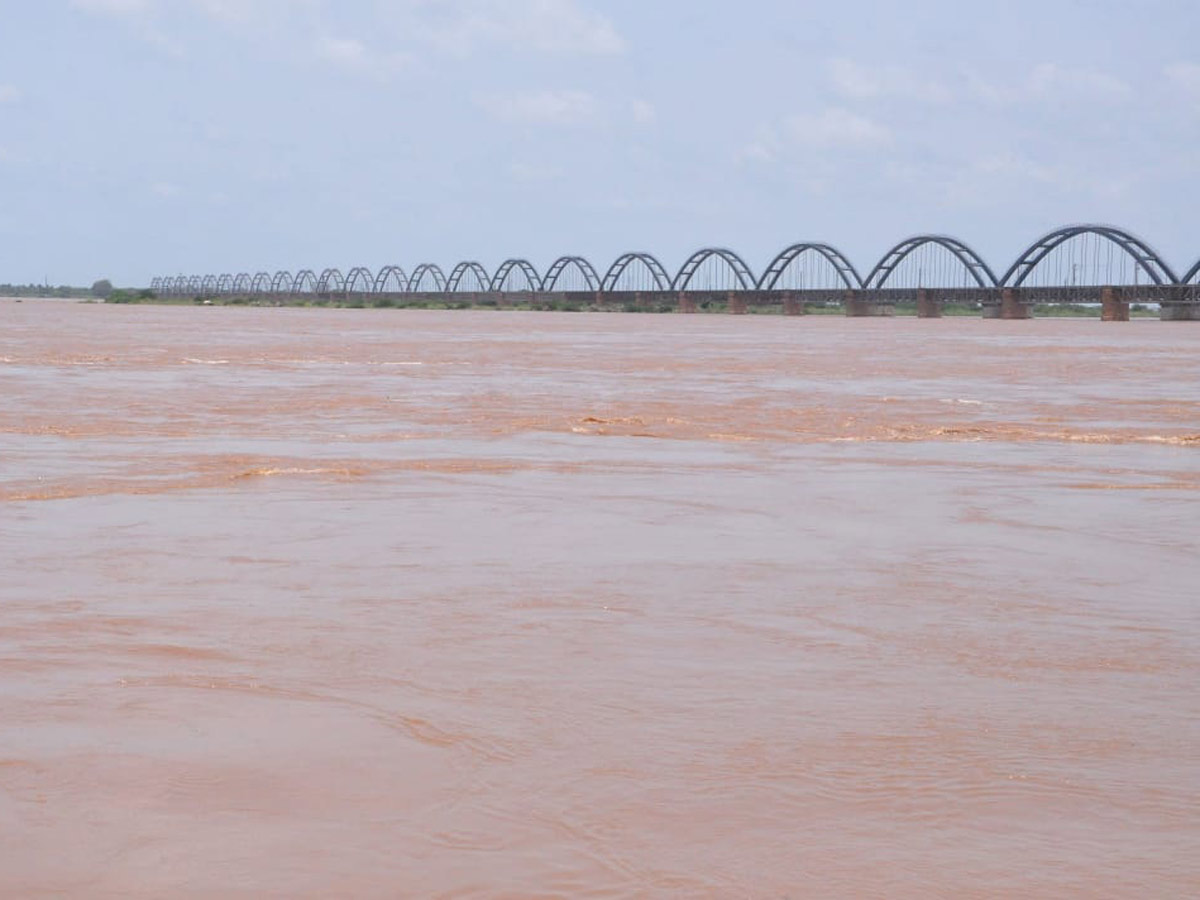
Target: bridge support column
(1179,312)
(792,305)
(929,305)
(686,303)
(735,302)
(860,307)
(1011,306)
(1113,306)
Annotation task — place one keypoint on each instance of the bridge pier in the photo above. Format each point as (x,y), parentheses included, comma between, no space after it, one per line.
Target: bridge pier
(929,305)
(687,303)
(1179,312)
(858,306)
(735,303)
(792,305)
(1113,305)
(1012,305)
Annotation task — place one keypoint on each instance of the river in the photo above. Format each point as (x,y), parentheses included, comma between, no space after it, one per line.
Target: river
(477,604)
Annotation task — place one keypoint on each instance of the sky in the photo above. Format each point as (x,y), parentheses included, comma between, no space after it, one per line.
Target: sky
(156,137)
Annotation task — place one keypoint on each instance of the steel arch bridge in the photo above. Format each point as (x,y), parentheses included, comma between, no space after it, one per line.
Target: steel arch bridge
(979,270)
(1142,254)
(581,265)
(433,270)
(658,273)
(360,280)
(281,282)
(1099,259)
(741,272)
(305,282)
(331,281)
(841,265)
(391,275)
(462,270)
(508,267)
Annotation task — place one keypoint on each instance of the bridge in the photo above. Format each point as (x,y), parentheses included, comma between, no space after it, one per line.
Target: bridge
(1080,265)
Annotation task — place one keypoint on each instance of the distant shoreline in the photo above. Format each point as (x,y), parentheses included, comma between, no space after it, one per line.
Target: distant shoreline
(522,304)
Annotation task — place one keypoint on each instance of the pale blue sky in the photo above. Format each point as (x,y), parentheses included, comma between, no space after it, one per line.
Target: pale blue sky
(145,137)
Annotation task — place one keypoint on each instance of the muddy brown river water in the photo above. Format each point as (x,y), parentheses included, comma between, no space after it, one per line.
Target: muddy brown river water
(375,603)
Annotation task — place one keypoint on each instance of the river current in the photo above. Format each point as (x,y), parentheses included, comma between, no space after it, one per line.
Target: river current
(478,604)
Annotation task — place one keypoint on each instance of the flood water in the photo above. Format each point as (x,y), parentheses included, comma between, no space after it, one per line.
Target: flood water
(377,603)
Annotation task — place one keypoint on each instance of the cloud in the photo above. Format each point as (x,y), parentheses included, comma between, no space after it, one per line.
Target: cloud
(353,55)
(298,29)
(231,12)
(835,127)
(1011,166)
(165,189)
(1184,75)
(142,16)
(9,93)
(815,138)
(114,7)
(854,81)
(643,112)
(532,173)
(1053,80)
(542,107)
(1048,82)
(545,26)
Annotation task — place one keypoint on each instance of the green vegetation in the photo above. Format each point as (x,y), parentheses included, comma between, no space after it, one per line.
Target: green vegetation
(62,291)
(124,295)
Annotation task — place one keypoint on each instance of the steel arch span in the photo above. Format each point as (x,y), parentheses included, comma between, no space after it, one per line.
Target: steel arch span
(974,263)
(741,271)
(331,280)
(261,283)
(281,282)
(197,284)
(662,281)
(304,282)
(580,264)
(225,284)
(241,284)
(462,270)
(524,266)
(391,275)
(1142,253)
(433,270)
(360,280)
(1192,274)
(832,255)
